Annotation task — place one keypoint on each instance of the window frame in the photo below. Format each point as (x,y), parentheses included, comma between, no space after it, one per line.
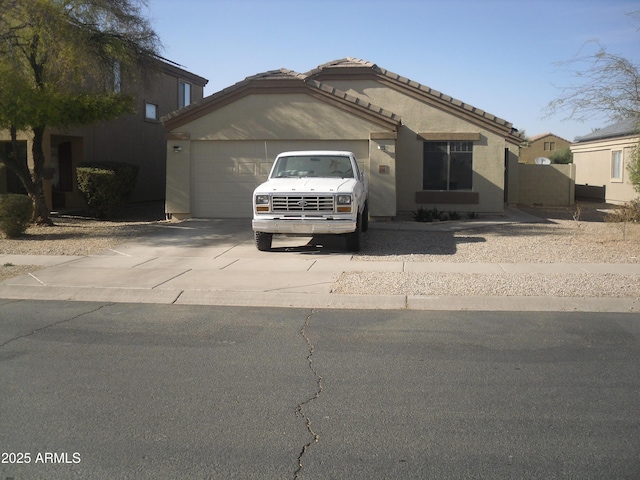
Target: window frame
(155,118)
(617,166)
(184,94)
(455,149)
(117,77)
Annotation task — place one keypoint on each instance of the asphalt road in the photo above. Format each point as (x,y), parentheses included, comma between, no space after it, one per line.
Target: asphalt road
(93,391)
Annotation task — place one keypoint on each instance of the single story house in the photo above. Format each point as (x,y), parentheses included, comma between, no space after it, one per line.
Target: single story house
(137,138)
(418,146)
(601,160)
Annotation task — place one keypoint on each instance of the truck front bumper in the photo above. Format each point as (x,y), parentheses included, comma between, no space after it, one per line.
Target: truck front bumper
(304,226)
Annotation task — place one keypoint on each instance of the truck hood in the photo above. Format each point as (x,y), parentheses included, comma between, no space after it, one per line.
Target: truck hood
(307,185)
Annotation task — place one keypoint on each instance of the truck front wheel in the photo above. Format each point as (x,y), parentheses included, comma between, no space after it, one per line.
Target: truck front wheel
(263,241)
(354,238)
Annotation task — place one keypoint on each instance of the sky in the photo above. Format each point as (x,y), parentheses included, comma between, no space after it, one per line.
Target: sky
(507,57)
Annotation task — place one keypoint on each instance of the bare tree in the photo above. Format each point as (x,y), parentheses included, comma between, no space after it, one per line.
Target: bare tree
(607,86)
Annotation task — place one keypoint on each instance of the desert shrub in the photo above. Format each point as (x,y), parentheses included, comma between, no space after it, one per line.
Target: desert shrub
(16,212)
(106,186)
(624,215)
(422,215)
(627,212)
(562,156)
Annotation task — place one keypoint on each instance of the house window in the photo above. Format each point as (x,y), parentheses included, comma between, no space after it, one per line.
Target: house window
(117,77)
(549,146)
(616,165)
(150,111)
(447,166)
(184,94)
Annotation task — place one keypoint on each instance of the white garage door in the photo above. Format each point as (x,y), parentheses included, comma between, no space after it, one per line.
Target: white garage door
(225,173)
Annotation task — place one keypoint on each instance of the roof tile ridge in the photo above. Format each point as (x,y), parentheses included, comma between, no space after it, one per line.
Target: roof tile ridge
(352,98)
(442,96)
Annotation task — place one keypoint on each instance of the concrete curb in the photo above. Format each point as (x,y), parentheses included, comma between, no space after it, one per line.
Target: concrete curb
(321,300)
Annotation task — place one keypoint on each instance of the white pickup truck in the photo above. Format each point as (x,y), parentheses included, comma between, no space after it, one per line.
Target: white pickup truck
(312,193)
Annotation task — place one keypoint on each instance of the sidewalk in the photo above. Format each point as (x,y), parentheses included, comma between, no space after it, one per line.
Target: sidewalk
(215,262)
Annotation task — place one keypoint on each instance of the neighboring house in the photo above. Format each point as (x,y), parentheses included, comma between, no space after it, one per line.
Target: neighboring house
(542,146)
(136,138)
(601,160)
(418,146)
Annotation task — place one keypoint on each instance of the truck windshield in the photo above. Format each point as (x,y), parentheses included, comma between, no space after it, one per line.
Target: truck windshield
(313,166)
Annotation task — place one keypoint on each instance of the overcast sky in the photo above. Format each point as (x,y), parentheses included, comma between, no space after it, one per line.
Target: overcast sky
(498,55)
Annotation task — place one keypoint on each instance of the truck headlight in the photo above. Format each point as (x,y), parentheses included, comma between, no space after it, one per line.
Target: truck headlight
(344,203)
(262,203)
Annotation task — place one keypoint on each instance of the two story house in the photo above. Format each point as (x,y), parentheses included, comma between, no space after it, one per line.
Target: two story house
(137,138)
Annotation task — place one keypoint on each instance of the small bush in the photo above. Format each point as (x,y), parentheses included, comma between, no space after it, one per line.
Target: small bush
(473,215)
(624,215)
(16,212)
(423,215)
(627,212)
(106,186)
(562,156)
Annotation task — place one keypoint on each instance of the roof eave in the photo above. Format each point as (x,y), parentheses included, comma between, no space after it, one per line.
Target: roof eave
(367,70)
(281,81)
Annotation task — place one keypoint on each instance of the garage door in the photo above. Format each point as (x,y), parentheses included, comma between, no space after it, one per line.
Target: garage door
(225,173)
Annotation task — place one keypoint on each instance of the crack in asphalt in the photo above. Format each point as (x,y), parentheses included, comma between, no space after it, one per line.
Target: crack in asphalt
(300,408)
(54,324)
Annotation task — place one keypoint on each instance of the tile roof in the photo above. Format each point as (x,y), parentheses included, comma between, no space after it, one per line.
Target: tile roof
(359,64)
(356,65)
(276,78)
(543,135)
(624,128)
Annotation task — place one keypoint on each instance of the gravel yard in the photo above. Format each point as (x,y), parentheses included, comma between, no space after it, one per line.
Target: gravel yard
(556,238)
(78,236)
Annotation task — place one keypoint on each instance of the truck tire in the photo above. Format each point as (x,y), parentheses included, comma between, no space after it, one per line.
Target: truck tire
(263,241)
(354,238)
(365,217)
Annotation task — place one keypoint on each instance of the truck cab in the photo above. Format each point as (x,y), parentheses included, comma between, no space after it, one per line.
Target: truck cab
(311,193)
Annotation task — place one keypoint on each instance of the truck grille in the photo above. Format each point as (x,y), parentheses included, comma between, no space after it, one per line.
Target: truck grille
(299,203)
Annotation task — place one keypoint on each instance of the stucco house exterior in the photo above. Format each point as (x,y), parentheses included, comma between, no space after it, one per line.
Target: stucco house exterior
(418,146)
(137,138)
(601,160)
(542,146)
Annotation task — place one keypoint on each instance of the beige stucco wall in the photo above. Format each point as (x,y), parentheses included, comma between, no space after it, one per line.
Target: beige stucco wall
(546,184)
(279,116)
(382,178)
(178,187)
(418,117)
(593,167)
(283,122)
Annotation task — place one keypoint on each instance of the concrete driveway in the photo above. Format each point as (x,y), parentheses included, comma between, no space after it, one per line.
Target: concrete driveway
(215,262)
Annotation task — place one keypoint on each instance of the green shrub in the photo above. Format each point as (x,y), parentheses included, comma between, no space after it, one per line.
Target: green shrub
(562,156)
(16,212)
(106,186)
(423,215)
